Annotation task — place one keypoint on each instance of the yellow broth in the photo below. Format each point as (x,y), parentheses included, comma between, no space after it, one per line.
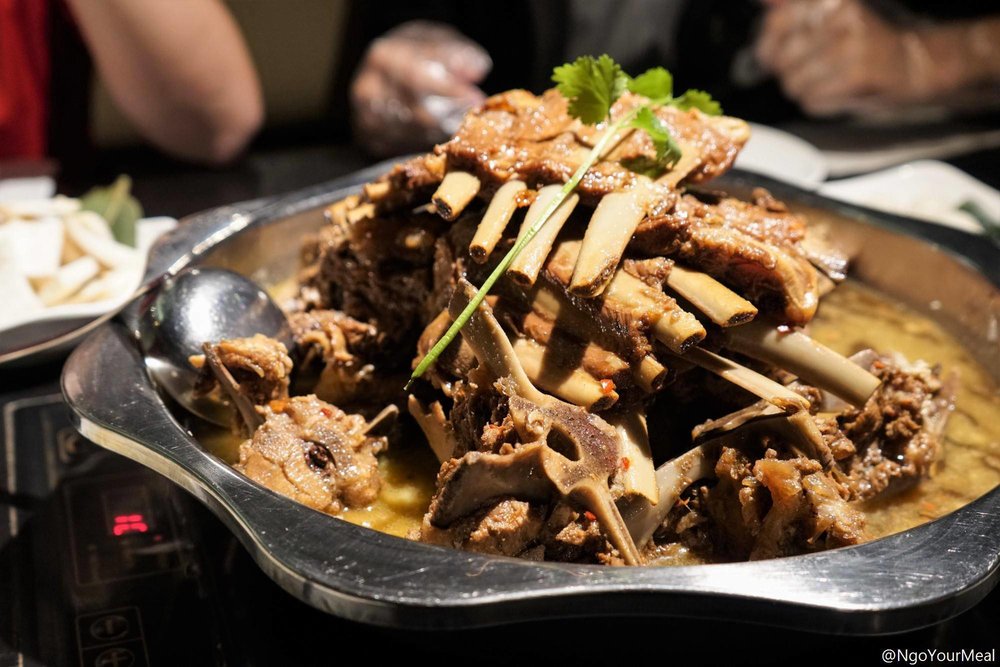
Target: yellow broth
(850,318)
(853,317)
(408,470)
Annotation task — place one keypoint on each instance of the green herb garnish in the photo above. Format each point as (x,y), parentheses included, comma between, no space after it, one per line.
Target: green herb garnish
(592,86)
(115,204)
(698,99)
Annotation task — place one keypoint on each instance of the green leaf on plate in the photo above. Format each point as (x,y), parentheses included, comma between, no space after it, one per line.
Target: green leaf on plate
(115,204)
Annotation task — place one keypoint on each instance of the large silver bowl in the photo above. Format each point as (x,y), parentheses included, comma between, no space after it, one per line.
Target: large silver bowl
(901,582)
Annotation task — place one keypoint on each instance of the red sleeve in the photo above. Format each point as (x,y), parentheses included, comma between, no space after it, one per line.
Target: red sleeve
(24,78)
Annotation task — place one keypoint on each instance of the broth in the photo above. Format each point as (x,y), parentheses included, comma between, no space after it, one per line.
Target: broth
(853,317)
(850,318)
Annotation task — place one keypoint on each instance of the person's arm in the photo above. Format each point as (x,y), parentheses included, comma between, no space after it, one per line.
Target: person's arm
(179,70)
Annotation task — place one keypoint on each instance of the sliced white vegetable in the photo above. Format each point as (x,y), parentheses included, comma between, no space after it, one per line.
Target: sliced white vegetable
(34,245)
(38,208)
(67,280)
(94,223)
(117,284)
(70,249)
(81,228)
(19,299)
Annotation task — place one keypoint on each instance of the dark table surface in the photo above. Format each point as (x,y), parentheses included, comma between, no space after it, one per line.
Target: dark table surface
(308,636)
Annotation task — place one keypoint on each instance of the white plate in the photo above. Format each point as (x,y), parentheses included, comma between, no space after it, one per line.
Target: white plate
(782,156)
(925,189)
(36,328)
(31,187)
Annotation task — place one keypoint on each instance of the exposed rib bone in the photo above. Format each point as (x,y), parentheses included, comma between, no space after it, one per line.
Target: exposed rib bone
(719,303)
(583,479)
(360,212)
(432,421)
(243,405)
(649,374)
(495,220)
(524,269)
(628,299)
(759,411)
(638,476)
(377,190)
(573,385)
(679,331)
(455,192)
(337,211)
(801,429)
(490,343)
(748,379)
(565,347)
(382,422)
(762,418)
(608,232)
(643,517)
(799,354)
(550,304)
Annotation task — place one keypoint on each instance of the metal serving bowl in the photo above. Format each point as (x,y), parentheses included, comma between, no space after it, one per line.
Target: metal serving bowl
(904,581)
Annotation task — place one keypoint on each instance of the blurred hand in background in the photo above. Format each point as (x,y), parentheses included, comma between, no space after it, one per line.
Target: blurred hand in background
(414,85)
(838,56)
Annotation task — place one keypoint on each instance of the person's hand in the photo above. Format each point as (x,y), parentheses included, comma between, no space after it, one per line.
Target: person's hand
(414,85)
(837,56)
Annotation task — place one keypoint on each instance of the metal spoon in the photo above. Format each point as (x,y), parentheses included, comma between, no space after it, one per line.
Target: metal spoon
(199,306)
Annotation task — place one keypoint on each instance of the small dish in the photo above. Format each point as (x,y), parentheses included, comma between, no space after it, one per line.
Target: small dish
(782,156)
(925,189)
(41,335)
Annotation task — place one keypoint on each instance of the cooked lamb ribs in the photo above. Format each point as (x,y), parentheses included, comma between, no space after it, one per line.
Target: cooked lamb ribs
(779,490)
(639,295)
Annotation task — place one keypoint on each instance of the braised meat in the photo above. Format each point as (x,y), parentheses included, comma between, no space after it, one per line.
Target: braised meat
(520,136)
(551,451)
(379,272)
(897,434)
(259,365)
(766,508)
(314,453)
(639,295)
(344,353)
(509,527)
(743,245)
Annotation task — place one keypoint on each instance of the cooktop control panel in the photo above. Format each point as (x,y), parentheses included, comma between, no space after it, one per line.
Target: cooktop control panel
(97,561)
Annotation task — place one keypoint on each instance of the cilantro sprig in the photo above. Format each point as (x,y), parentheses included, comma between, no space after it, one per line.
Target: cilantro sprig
(592,86)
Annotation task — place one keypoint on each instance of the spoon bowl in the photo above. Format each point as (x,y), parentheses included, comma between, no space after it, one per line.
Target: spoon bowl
(194,307)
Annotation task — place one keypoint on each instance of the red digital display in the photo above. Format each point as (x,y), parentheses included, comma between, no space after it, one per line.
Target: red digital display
(129,523)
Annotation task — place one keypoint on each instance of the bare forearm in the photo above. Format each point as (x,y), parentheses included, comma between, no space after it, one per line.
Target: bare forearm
(178,69)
